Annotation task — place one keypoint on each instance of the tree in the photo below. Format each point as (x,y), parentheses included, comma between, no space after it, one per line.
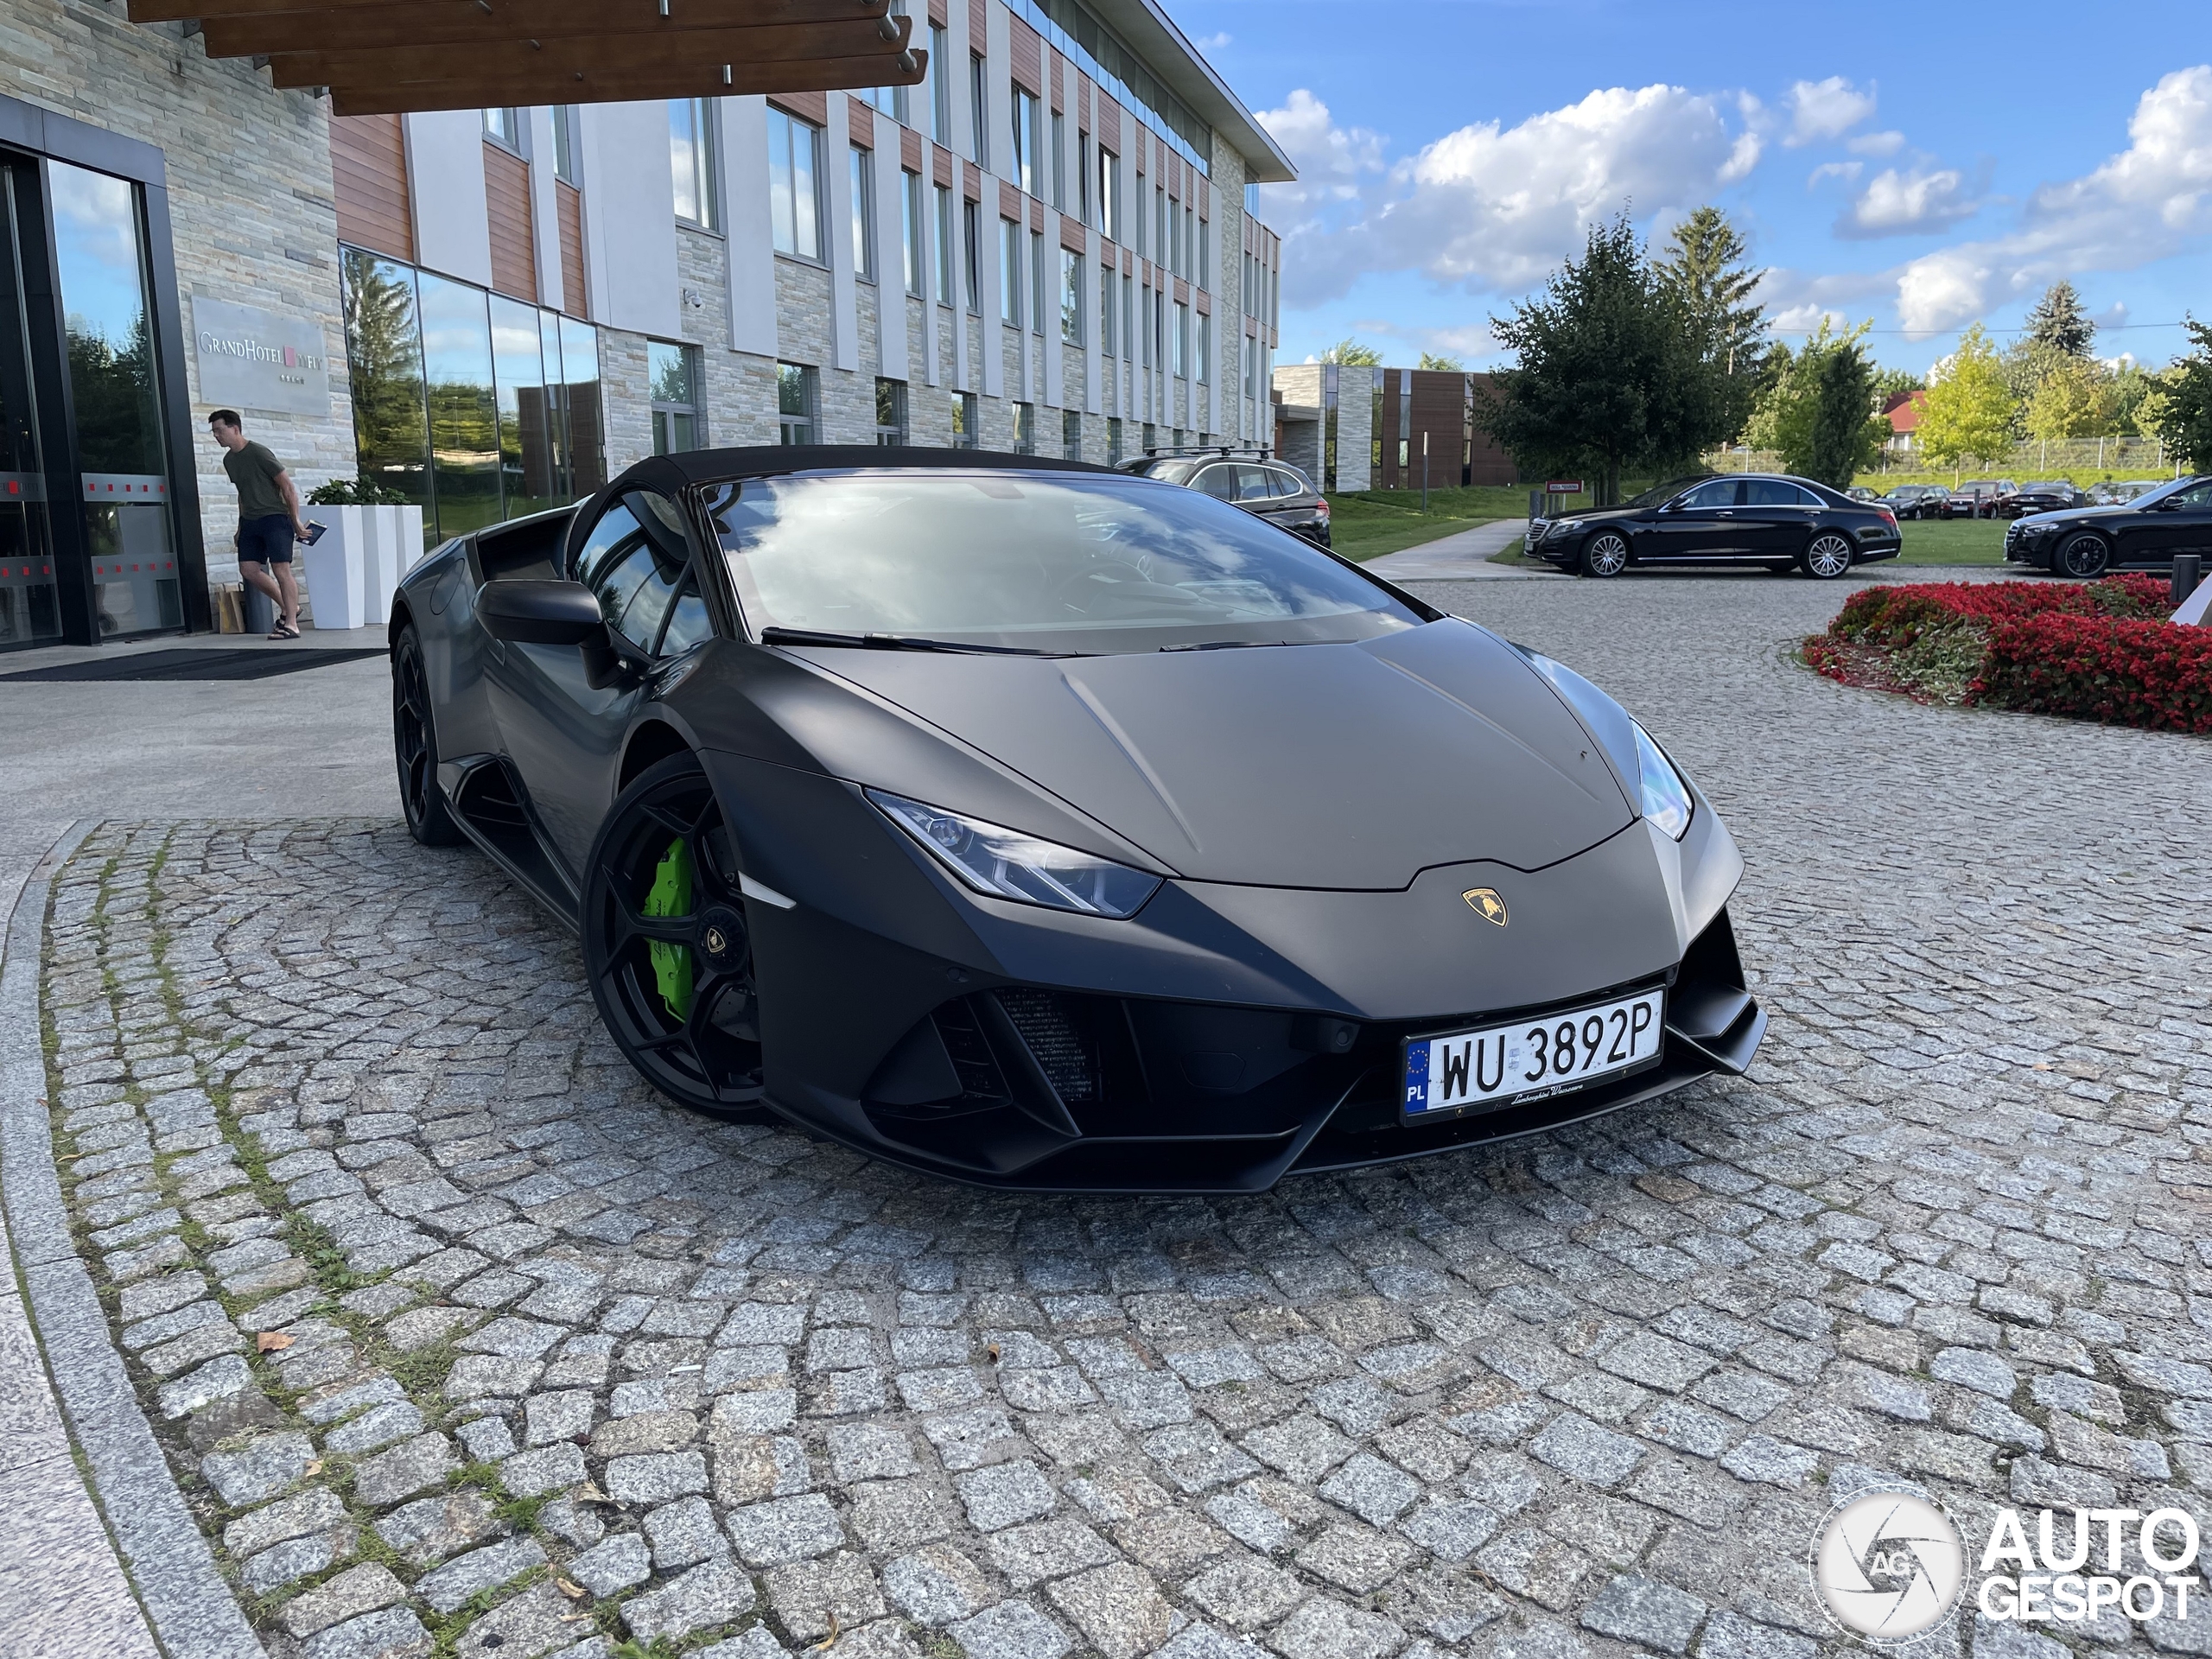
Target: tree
(1610,371)
(2183,411)
(1443,361)
(1888,383)
(1710,272)
(2074,400)
(1970,408)
(1821,411)
(1350,352)
(2058,325)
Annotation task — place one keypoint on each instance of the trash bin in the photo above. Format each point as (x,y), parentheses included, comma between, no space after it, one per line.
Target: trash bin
(256,610)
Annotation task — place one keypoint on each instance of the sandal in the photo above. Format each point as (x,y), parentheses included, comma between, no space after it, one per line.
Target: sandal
(283,631)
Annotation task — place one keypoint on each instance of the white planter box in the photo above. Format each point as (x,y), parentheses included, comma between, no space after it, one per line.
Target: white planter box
(353,571)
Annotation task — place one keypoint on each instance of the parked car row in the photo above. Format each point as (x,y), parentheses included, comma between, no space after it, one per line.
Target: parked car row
(1917,500)
(2144,533)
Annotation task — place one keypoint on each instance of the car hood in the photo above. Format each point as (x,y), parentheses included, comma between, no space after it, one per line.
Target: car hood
(1327,766)
(1597,515)
(2070,515)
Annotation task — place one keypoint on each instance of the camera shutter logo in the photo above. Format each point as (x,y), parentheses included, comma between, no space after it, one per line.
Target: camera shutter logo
(1888,1566)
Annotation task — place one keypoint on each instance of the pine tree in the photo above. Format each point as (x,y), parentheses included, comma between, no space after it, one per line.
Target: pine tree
(2058,325)
(1710,272)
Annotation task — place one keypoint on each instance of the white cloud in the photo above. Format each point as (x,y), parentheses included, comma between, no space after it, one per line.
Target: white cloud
(1492,208)
(1215,42)
(1877,143)
(1820,110)
(1908,201)
(1848,171)
(1795,320)
(2145,203)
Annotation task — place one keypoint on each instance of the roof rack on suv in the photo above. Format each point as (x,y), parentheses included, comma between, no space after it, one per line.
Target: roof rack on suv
(1165,452)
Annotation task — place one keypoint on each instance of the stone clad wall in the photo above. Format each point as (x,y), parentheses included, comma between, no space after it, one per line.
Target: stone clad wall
(251,208)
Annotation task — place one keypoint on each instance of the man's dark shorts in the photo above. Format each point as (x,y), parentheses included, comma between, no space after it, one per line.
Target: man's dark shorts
(266,541)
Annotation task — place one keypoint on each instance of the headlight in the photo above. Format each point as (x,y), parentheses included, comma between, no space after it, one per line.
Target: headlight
(1665,797)
(1006,864)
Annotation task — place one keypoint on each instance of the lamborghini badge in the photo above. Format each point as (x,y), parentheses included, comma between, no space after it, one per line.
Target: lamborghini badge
(1486,903)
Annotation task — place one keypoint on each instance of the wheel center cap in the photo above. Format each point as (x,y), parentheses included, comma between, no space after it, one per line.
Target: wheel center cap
(721,935)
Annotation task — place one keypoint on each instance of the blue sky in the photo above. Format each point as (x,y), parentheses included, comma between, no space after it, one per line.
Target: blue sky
(1926,165)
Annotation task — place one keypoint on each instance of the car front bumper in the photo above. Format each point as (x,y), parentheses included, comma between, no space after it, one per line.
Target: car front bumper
(1221,1038)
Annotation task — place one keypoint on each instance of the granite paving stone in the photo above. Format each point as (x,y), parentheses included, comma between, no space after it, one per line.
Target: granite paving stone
(1553,1398)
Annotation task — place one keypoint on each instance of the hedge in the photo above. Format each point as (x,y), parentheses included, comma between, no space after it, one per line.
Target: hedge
(2091,651)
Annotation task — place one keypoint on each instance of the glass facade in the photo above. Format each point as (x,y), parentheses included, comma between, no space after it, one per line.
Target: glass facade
(674,372)
(30,608)
(99,249)
(475,407)
(795,403)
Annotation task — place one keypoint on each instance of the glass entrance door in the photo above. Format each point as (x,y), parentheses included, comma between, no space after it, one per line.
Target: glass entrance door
(99,249)
(29,612)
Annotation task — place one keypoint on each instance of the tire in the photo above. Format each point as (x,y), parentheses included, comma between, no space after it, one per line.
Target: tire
(667,947)
(2085,558)
(1604,555)
(415,746)
(1826,556)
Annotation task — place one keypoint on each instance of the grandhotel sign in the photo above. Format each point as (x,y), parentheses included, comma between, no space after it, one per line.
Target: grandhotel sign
(251,358)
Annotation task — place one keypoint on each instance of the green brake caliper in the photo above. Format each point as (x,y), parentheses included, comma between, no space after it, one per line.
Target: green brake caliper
(671,896)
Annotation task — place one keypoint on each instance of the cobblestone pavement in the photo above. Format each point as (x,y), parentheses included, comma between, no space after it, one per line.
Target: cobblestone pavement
(456,1333)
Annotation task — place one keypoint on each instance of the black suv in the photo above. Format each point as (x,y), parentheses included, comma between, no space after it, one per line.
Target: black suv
(1269,489)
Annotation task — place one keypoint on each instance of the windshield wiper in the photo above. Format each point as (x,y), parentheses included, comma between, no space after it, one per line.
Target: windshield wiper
(773,636)
(1225,645)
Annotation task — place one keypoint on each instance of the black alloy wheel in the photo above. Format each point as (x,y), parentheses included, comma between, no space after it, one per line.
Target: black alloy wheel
(415,746)
(1605,554)
(1826,556)
(666,944)
(2087,556)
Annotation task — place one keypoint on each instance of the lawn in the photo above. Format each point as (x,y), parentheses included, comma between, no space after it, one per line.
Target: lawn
(1952,541)
(1371,523)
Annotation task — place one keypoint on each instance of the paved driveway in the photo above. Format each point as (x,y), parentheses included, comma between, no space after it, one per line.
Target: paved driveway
(549,1363)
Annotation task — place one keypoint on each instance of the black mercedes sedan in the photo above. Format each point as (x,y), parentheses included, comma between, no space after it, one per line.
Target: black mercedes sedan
(1738,518)
(2143,534)
(1034,825)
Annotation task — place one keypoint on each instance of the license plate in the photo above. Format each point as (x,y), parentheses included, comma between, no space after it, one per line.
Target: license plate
(1530,1057)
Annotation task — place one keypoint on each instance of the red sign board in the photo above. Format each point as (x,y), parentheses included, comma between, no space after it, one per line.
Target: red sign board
(1564,486)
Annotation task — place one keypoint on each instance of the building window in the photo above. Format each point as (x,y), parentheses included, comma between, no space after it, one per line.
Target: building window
(1082,194)
(564,144)
(1252,199)
(1128,316)
(504,126)
(1113,441)
(1205,254)
(795,401)
(1071,434)
(940,89)
(674,372)
(1070,297)
(1010,278)
(1206,349)
(1141,198)
(972,239)
(1029,152)
(1182,339)
(795,185)
(1106,310)
(891,413)
(1175,240)
(914,232)
(1039,292)
(978,117)
(963,420)
(1109,197)
(945,291)
(863,169)
(691,159)
(1059,159)
(1025,428)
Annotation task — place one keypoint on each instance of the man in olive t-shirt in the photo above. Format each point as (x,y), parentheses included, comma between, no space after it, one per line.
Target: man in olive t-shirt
(269,518)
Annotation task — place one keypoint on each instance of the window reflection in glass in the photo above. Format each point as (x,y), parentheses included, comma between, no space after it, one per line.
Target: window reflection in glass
(586,422)
(673,373)
(99,251)
(464,413)
(528,477)
(383,352)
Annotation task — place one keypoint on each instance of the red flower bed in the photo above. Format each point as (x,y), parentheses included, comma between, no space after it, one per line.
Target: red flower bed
(2152,674)
(2094,650)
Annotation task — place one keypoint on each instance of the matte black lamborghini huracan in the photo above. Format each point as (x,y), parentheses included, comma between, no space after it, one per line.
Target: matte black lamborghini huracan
(1037,825)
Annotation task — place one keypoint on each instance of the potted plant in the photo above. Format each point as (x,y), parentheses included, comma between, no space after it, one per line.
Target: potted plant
(372,535)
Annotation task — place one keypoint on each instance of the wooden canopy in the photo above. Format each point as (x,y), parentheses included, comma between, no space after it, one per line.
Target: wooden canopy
(381,56)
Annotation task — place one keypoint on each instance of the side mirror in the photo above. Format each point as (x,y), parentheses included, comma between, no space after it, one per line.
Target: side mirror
(540,613)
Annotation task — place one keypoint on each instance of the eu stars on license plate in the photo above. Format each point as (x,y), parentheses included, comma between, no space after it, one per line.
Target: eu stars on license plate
(1539,1056)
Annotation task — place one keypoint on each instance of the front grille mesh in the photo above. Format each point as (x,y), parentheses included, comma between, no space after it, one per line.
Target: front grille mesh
(1049,1029)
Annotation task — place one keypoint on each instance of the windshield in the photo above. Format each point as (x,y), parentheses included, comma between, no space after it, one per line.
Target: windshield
(1086,564)
(2158,492)
(1667,491)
